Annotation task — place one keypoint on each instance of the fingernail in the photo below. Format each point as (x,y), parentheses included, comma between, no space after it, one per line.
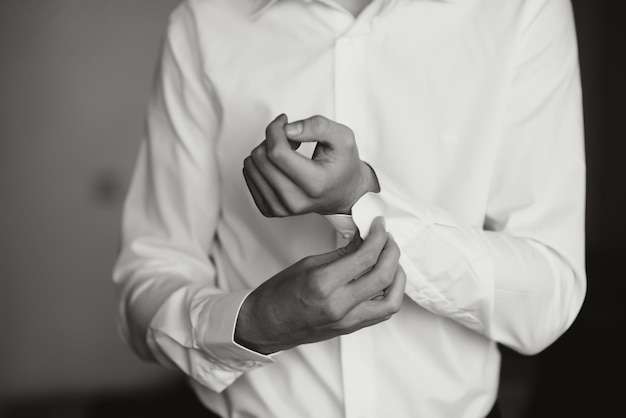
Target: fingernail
(382,221)
(293,129)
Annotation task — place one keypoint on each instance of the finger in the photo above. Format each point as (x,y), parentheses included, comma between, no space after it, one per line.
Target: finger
(357,258)
(395,293)
(292,198)
(332,256)
(371,312)
(335,255)
(263,195)
(270,198)
(366,255)
(326,268)
(256,196)
(374,283)
(319,129)
(300,169)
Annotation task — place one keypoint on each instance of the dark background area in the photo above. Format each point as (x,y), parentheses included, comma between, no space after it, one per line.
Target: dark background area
(74,80)
(582,375)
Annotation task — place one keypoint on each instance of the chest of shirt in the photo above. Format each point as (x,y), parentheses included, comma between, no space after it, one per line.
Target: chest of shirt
(423,88)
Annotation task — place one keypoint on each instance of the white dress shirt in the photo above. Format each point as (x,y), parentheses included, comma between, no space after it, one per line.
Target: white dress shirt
(469,112)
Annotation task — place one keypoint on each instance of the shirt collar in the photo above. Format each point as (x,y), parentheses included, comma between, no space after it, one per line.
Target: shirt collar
(262,5)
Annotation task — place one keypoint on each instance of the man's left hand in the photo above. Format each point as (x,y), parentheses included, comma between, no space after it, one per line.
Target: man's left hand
(283,182)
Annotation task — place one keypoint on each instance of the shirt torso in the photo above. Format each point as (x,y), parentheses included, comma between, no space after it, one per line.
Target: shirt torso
(423,84)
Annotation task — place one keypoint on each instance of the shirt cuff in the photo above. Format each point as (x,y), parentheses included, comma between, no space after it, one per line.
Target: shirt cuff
(343,224)
(421,229)
(215,333)
(404,217)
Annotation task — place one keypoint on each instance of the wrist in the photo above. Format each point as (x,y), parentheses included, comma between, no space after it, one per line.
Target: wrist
(250,332)
(367,183)
(245,328)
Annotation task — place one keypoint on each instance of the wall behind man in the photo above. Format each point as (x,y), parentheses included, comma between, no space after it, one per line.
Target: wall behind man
(74,79)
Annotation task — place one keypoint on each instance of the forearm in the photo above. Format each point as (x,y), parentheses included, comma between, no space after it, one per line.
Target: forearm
(510,289)
(538,292)
(139,303)
(515,290)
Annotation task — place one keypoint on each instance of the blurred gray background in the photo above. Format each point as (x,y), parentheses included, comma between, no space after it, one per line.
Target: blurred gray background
(74,80)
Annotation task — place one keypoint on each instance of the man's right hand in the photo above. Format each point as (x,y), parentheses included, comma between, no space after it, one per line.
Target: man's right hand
(323,296)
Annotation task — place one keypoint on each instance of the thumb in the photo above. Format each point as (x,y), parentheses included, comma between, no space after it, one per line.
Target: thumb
(320,129)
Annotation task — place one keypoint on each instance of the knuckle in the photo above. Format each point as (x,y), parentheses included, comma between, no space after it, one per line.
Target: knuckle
(276,128)
(387,312)
(393,307)
(383,280)
(270,130)
(275,154)
(258,153)
(320,125)
(333,312)
(318,121)
(316,289)
(316,189)
(318,283)
(295,206)
(348,136)
(368,256)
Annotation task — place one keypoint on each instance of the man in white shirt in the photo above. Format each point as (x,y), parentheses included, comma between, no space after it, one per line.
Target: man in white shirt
(457,122)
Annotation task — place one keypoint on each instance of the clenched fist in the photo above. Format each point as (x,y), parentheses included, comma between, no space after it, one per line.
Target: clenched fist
(283,182)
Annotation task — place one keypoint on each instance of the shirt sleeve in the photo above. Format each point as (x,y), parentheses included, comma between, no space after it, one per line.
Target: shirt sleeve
(519,278)
(171,308)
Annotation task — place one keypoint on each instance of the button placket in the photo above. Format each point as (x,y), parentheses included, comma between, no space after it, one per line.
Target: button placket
(357,378)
